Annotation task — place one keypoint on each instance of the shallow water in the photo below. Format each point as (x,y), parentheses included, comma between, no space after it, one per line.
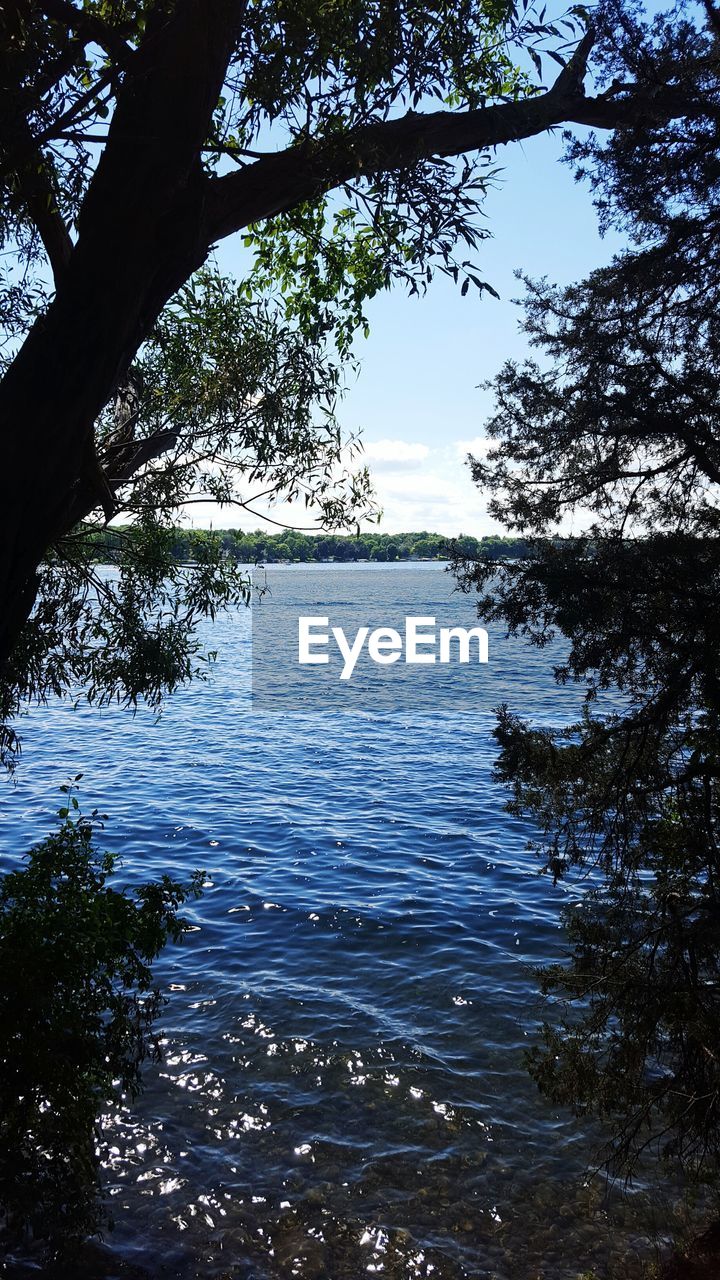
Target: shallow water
(343,1092)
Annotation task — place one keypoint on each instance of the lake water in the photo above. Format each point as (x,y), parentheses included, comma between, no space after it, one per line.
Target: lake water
(343,1093)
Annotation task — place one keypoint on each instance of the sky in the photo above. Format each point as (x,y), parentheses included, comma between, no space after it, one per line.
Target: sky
(416,401)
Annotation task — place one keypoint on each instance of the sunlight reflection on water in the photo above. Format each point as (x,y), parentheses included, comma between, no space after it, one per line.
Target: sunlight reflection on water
(342,1092)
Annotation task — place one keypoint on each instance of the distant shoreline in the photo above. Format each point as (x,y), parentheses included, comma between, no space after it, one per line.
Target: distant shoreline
(291,547)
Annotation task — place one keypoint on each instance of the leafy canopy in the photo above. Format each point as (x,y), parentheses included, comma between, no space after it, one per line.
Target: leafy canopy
(224,394)
(232,394)
(618,420)
(298,73)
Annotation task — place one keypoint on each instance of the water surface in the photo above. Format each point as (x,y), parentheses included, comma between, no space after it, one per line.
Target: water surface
(343,1092)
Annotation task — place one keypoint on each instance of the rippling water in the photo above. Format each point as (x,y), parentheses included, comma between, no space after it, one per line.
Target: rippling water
(343,1092)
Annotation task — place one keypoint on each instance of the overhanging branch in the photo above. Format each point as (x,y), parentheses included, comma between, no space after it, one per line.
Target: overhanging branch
(278,182)
(90,27)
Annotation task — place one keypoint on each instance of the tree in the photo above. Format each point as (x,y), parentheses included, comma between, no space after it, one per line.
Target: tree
(620,420)
(134,137)
(77,1011)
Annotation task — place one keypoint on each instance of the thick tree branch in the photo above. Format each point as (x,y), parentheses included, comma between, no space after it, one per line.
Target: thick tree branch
(39,199)
(123,460)
(106,470)
(278,182)
(35,189)
(102,477)
(570,80)
(89,27)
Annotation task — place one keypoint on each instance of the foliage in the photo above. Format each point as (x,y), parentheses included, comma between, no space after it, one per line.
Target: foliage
(353,146)
(291,545)
(229,390)
(137,382)
(618,420)
(297,72)
(224,394)
(77,1012)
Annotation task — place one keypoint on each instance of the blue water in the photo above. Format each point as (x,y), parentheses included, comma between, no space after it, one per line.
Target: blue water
(343,1092)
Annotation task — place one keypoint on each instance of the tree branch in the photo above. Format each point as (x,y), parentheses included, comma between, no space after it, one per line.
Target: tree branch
(30,144)
(572,75)
(35,188)
(278,182)
(42,208)
(89,27)
(104,475)
(123,460)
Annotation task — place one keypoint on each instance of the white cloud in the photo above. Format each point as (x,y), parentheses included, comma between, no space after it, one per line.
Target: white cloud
(438,495)
(479,447)
(394,455)
(417,487)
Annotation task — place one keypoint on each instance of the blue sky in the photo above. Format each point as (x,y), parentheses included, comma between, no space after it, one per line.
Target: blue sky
(416,400)
(418,387)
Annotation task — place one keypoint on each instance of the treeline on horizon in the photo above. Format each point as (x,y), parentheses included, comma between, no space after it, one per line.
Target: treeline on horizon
(294,547)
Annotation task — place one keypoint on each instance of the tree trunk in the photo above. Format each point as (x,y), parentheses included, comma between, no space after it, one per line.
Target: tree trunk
(59,382)
(139,238)
(147,221)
